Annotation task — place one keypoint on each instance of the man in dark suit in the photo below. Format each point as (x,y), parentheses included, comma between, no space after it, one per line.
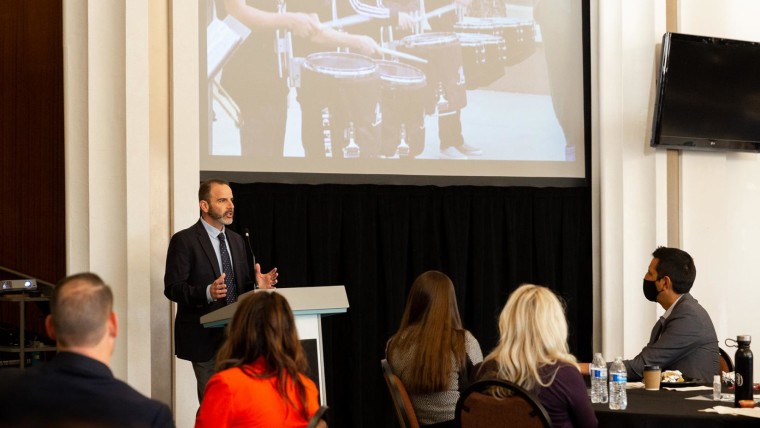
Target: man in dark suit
(76,388)
(206,269)
(684,337)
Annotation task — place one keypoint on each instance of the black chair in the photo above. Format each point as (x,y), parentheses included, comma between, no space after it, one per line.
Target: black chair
(479,408)
(726,365)
(318,417)
(400,398)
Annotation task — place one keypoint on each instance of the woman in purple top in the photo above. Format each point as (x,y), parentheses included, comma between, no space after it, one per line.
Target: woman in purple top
(533,353)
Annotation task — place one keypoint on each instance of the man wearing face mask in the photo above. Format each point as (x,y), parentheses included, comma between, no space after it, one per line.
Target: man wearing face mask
(684,337)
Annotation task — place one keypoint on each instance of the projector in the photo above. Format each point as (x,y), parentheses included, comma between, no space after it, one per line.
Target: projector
(17,285)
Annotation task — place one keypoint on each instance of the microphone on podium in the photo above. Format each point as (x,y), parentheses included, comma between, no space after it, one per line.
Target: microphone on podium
(253,256)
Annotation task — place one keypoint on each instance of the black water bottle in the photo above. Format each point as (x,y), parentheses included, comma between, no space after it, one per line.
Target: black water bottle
(743,370)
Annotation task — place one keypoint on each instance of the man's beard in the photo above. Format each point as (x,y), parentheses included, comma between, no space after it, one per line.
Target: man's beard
(221,218)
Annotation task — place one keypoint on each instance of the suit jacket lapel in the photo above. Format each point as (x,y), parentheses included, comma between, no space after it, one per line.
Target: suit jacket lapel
(660,326)
(238,261)
(656,330)
(205,242)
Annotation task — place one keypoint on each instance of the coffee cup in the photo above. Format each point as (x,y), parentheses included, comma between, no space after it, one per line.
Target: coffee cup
(652,377)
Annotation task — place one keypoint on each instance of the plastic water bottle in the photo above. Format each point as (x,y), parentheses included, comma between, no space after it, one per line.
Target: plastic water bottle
(598,371)
(716,388)
(618,381)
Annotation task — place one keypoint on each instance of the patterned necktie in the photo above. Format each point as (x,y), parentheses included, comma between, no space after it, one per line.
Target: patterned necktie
(229,275)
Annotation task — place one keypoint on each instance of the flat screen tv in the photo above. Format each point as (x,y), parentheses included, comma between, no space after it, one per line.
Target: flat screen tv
(708,94)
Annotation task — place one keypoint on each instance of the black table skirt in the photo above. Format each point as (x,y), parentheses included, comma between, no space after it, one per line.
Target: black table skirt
(668,409)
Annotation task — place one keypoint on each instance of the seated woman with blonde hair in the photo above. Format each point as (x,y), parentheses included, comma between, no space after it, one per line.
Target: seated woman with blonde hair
(532,352)
(431,352)
(260,379)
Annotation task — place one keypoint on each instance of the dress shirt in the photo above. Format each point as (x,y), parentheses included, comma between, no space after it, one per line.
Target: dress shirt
(213,234)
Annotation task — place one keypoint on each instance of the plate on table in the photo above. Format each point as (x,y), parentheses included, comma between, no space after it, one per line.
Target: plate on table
(684,384)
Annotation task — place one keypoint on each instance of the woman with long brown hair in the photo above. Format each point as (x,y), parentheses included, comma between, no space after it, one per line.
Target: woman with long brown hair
(260,379)
(431,352)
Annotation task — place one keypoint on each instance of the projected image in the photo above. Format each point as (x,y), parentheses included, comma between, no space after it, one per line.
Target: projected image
(395,79)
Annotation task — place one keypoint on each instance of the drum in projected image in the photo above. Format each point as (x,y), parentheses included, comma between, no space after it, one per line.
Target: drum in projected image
(519,35)
(484,57)
(403,109)
(444,70)
(340,105)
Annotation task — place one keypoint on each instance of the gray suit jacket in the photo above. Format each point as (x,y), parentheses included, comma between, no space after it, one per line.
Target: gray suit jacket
(685,341)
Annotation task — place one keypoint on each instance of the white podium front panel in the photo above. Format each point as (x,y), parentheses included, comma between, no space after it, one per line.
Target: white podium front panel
(309,304)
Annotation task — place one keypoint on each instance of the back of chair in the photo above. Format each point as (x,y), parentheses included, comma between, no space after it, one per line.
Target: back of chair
(401,402)
(318,417)
(478,408)
(726,365)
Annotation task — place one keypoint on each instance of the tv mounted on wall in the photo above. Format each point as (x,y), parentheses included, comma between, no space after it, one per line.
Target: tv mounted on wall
(708,94)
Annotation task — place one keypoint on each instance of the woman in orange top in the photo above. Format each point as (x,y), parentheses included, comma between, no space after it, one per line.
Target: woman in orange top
(259,380)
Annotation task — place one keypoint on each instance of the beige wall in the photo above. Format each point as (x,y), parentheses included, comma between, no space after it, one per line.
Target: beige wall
(721,197)
(185,165)
(718,192)
(117,163)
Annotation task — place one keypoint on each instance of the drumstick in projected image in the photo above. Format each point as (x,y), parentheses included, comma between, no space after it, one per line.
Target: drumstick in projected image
(403,55)
(347,21)
(436,13)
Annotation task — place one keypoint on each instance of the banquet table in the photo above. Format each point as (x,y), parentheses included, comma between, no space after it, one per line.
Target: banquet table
(669,409)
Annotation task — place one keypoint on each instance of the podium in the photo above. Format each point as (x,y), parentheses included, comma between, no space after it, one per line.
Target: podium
(309,305)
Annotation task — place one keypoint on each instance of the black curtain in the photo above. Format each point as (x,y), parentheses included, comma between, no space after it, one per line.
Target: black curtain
(376,239)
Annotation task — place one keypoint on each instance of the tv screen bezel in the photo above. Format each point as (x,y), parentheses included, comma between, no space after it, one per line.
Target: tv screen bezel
(706,143)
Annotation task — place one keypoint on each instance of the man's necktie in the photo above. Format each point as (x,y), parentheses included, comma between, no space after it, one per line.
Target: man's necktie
(229,275)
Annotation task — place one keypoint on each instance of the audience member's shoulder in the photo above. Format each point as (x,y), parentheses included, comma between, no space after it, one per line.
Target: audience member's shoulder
(485,370)
(9,379)
(163,416)
(567,370)
(689,306)
(154,411)
(10,374)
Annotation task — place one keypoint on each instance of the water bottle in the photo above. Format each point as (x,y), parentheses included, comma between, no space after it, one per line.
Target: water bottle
(716,388)
(618,381)
(743,370)
(598,371)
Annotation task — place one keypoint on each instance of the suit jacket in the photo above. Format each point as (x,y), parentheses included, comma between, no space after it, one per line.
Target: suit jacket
(684,341)
(75,390)
(191,265)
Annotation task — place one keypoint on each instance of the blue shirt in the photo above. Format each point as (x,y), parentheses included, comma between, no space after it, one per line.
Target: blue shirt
(213,234)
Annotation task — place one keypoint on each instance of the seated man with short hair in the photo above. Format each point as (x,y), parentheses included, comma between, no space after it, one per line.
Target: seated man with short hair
(684,337)
(76,388)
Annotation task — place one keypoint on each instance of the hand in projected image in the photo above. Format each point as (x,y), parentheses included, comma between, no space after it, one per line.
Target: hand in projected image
(304,24)
(405,21)
(365,45)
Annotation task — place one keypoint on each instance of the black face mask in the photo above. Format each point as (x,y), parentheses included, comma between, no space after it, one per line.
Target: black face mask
(650,290)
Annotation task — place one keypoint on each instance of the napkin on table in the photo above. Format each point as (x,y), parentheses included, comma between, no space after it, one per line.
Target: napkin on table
(689,388)
(724,410)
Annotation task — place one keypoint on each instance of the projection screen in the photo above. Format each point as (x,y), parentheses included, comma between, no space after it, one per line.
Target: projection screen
(403,90)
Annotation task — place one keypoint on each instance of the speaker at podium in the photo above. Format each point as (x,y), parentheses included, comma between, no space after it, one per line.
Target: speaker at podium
(309,305)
